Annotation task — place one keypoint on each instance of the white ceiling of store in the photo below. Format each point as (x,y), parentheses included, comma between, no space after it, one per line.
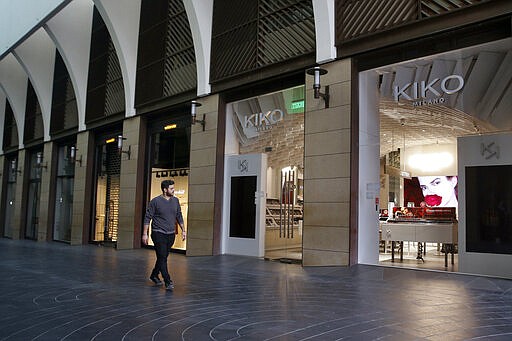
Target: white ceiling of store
(483,105)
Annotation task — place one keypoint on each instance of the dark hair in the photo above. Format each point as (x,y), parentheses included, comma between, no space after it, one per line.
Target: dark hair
(166,184)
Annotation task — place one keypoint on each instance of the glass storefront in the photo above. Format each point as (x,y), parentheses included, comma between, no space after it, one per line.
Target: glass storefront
(170,160)
(10,195)
(64,195)
(273,124)
(424,107)
(108,177)
(33,198)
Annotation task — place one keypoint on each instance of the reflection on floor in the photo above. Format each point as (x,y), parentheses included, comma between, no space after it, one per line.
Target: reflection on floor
(285,255)
(432,260)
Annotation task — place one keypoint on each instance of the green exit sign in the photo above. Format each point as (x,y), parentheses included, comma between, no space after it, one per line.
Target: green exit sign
(297,105)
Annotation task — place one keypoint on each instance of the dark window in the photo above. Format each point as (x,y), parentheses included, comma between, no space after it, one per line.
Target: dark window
(489,209)
(10,128)
(166,63)
(105,90)
(33,129)
(258,34)
(64,108)
(242,223)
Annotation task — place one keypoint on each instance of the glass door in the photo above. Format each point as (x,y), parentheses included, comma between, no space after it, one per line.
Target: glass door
(64,196)
(33,198)
(170,157)
(12,166)
(108,176)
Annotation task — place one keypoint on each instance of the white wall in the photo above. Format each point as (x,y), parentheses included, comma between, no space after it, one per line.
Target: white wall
(18,17)
(470,154)
(369,166)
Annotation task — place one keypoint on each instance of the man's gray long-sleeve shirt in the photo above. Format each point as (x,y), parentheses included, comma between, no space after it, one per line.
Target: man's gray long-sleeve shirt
(164,214)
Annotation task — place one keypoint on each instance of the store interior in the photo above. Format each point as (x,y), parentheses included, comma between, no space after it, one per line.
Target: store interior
(274,124)
(424,105)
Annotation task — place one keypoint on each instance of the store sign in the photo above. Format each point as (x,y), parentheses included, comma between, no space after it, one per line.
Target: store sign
(263,121)
(418,91)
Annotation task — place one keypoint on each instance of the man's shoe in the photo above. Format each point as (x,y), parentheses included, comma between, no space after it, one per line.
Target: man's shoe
(169,286)
(156,280)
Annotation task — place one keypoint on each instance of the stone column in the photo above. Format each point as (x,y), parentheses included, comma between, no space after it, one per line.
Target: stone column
(327,175)
(131,186)
(17,218)
(44,231)
(81,201)
(203,151)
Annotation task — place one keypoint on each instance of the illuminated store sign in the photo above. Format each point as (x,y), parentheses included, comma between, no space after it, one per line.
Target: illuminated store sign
(263,121)
(418,91)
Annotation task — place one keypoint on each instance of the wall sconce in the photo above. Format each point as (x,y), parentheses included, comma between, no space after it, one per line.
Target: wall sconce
(193,113)
(13,167)
(317,71)
(72,155)
(120,139)
(39,161)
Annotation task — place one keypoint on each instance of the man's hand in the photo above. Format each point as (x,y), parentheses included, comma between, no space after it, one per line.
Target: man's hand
(183,235)
(145,239)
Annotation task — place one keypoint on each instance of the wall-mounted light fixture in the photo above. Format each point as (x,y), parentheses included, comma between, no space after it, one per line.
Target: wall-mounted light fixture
(317,71)
(120,139)
(13,167)
(39,161)
(72,156)
(193,113)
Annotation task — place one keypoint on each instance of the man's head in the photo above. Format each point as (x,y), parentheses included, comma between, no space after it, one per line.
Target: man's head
(167,187)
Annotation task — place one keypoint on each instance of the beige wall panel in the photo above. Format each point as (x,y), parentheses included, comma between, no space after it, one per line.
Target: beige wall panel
(201,193)
(202,175)
(326,120)
(127,195)
(199,247)
(202,180)
(326,214)
(79,199)
(324,258)
(202,211)
(42,231)
(331,142)
(202,157)
(327,190)
(327,166)
(327,238)
(127,183)
(209,104)
(204,140)
(200,229)
(340,94)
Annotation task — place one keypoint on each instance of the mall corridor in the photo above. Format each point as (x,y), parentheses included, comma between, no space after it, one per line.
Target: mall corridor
(52,291)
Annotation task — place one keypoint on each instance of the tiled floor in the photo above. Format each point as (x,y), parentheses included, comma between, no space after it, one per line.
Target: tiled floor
(51,291)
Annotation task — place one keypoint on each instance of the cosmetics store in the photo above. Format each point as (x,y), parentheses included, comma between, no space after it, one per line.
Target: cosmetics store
(264,153)
(437,130)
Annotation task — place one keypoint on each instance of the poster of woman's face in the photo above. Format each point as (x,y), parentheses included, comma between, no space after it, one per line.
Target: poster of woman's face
(435,191)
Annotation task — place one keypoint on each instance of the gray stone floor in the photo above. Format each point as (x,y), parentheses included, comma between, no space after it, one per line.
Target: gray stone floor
(52,291)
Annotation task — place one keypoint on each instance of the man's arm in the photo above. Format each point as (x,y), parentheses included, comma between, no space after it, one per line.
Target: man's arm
(145,234)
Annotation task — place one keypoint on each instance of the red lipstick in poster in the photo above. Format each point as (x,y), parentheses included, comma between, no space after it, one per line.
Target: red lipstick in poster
(433,200)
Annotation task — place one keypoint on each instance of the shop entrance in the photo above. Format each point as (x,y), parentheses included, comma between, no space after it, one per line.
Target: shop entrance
(273,124)
(64,195)
(34,189)
(169,160)
(8,205)
(108,175)
(416,113)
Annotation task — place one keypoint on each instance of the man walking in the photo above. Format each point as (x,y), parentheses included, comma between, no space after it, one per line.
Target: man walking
(164,212)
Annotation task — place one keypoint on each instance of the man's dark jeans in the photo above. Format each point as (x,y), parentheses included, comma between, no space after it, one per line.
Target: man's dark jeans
(163,243)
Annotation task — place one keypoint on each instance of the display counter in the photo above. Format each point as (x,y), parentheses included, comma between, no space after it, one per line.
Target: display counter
(433,228)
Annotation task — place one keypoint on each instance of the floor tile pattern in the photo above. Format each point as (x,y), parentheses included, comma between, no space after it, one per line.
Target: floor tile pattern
(52,291)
